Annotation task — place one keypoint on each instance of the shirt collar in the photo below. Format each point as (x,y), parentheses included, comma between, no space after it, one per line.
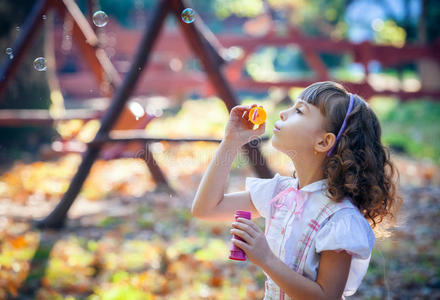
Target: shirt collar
(312,187)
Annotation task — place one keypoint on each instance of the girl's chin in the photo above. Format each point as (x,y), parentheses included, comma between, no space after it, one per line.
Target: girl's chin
(275,145)
(274,142)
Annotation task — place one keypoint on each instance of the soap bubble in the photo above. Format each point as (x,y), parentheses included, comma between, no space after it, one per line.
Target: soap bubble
(100,18)
(9,53)
(188,15)
(232,53)
(136,109)
(40,64)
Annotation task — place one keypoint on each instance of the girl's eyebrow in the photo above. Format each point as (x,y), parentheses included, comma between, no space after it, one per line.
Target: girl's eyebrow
(303,103)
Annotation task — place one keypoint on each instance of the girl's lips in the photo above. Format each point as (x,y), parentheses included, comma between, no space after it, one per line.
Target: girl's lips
(276,128)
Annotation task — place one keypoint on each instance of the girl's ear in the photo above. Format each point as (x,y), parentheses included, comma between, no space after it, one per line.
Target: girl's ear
(325,143)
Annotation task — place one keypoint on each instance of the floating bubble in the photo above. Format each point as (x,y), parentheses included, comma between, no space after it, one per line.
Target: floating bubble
(40,64)
(100,18)
(136,109)
(188,15)
(9,53)
(232,53)
(175,64)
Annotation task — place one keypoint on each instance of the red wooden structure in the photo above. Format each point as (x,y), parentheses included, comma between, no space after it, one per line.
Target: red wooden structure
(201,45)
(171,46)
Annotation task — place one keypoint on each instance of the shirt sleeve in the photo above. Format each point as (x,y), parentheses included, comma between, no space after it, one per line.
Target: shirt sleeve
(346,230)
(262,191)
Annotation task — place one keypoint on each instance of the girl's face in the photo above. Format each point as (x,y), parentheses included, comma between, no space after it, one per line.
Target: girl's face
(300,127)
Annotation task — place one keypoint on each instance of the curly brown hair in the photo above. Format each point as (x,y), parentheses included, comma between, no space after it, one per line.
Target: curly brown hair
(360,166)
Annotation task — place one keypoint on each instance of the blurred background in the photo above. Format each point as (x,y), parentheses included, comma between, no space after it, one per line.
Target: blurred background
(130,233)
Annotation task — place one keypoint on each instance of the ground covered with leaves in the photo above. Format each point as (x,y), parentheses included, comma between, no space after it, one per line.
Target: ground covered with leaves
(124,240)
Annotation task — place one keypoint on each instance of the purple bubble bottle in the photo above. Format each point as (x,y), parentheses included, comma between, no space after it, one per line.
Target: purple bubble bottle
(237,253)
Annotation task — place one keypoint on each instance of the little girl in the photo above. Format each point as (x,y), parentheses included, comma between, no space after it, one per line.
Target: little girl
(318,224)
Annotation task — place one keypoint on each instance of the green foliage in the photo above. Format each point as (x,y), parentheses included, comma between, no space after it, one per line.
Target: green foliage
(273,64)
(240,8)
(432,17)
(110,221)
(413,126)
(389,33)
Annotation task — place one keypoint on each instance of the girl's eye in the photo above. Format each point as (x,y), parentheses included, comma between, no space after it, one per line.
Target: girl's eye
(298,111)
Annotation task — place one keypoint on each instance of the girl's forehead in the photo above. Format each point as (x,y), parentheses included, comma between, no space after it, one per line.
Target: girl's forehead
(308,104)
(305,103)
(301,100)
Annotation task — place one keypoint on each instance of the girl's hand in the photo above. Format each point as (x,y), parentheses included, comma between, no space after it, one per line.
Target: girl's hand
(239,129)
(255,244)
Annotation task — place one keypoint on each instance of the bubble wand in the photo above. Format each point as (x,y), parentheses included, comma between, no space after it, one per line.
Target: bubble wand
(257,115)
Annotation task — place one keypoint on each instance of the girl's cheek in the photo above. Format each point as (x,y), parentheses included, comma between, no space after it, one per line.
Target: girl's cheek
(294,131)
(302,136)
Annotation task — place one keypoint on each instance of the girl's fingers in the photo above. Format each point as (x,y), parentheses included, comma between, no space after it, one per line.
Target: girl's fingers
(240,244)
(252,228)
(243,234)
(242,112)
(262,129)
(241,107)
(245,228)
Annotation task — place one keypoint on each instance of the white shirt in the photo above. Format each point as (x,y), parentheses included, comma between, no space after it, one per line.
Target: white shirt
(346,229)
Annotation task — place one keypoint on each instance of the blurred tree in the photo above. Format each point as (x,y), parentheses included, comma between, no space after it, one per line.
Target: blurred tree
(28,88)
(314,17)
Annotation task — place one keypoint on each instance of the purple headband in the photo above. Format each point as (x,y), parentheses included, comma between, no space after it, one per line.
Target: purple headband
(350,107)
